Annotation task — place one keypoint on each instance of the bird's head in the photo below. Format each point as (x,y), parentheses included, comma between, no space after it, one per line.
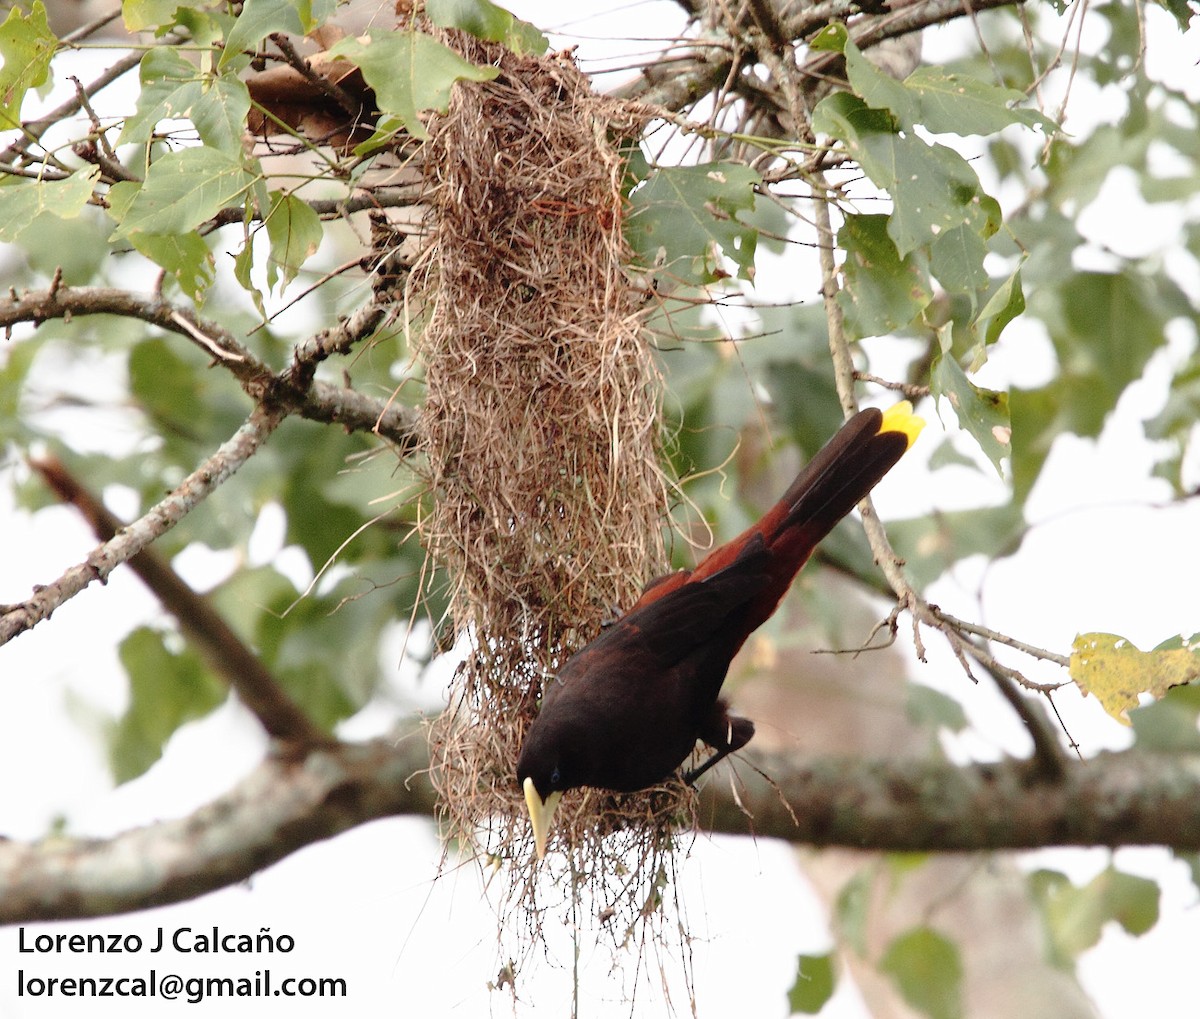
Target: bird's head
(543,776)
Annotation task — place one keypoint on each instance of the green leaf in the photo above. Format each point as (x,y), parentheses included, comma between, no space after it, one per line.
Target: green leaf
(852,910)
(931,544)
(684,219)
(183,189)
(243,265)
(933,709)
(956,259)
(14,370)
(1005,304)
(933,189)
(259,18)
(323,649)
(172,89)
(927,969)
(409,73)
(485,20)
(140,15)
(22,201)
(1104,327)
(166,689)
(1075,916)
(883,291)
(184,257)
(1175,422)
(1180,10)
(940,100)
(814,984)
(27,46)
(164,385)
(981,412)
(1192,862)
(295,233)
(1169,725)
(831,39)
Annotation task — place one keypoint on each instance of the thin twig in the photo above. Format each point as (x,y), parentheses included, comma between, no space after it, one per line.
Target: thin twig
(909,390)
(993,635)
(197,486)
(91,27)
(330,89)
(33,130)
(101,152)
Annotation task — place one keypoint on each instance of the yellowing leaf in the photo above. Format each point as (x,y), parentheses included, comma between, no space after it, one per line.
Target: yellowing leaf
(26,47)
(1117,672)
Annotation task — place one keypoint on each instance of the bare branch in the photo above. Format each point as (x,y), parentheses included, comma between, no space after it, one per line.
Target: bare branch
(61,302)
(676,82)
(326,86)
(203,626)
(15,619)
(33,130)
(1000,638)
(316,400)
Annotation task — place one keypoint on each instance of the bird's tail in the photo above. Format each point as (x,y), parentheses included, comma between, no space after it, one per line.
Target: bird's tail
(830,485)
(852,463)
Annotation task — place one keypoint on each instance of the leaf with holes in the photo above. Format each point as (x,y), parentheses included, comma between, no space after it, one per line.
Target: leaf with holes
(1117,673)
(683,220)
(883,291)
(982,412)
(173,89)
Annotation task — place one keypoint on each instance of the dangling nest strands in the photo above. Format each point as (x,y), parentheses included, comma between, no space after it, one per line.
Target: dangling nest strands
(542,428)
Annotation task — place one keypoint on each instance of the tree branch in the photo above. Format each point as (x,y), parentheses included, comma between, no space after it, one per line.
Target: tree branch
(285,804)
(15,619)
(1121,799)
(200,623)
(315,400)
(33,130)
(682,80)
(1114,799)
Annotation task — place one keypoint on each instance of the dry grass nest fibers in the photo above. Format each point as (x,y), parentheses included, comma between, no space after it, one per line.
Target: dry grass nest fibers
(542,425)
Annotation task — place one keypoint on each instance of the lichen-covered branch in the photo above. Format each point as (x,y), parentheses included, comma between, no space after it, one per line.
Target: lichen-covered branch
(1123,799)
(285,804)
(1114,799)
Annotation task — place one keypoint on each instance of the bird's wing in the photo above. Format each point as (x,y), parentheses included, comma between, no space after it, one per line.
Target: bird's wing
(673,624)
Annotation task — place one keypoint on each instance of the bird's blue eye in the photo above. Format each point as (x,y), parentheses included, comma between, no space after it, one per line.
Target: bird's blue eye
(555,777)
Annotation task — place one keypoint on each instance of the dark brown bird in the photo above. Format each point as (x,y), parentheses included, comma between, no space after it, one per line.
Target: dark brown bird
(626,710)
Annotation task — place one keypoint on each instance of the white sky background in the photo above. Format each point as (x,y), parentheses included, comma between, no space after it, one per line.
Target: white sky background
(366,906)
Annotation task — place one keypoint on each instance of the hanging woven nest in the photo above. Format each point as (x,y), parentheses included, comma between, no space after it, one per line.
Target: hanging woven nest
(542,429)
